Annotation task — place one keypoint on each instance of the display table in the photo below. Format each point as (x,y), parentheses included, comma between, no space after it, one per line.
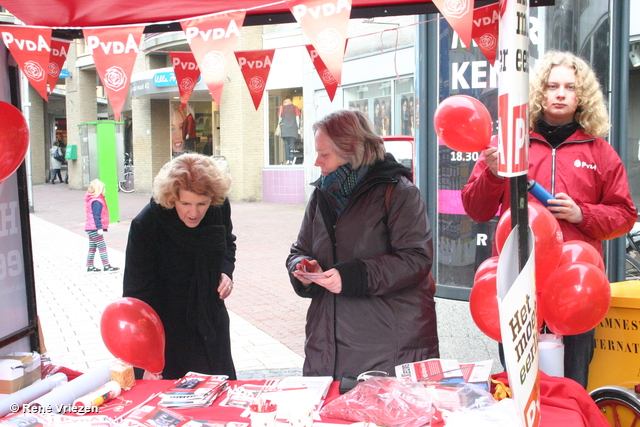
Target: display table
(563,403)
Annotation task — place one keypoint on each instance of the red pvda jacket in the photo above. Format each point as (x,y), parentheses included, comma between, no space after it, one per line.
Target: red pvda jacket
(586,168)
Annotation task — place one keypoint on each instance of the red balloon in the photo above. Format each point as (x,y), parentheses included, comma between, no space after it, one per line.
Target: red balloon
(14,139)
(487,266)
(463,123)
(577,250)
(547,239)
(483,304)
(575,298)
(133,332)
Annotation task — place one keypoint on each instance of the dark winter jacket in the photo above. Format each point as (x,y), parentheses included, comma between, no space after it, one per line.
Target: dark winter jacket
(176,270)
(586,168)
(385,313)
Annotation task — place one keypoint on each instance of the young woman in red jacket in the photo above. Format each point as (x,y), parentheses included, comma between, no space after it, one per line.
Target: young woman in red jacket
(569,157)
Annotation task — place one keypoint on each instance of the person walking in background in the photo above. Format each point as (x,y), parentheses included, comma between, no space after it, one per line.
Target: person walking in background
(180,259)
(568,156)
(289,115)
(96,223)
(57,157)
(363,255)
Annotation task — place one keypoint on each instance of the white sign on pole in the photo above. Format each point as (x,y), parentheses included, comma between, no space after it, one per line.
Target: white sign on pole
(519,328)
(513,88)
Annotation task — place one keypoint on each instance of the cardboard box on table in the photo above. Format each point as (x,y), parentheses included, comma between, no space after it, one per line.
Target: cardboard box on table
(19,370)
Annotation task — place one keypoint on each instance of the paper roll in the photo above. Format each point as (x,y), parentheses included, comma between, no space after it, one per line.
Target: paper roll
(551,350)
(28,394)
(98,397)
(61,398)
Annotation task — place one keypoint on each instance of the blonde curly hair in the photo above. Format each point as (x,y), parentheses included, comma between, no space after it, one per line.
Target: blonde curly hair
(591,113)
(96,188)
(193,172)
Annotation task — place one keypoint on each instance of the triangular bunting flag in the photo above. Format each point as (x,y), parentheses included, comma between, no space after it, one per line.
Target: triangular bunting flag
(59,50)
(114,51)
(255,66)
(329,82)
(485,30)
(325,22)
(459,14)
(30,47)
(212,40)
(187,74)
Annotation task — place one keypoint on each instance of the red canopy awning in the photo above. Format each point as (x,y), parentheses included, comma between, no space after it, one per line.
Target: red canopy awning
(92,13)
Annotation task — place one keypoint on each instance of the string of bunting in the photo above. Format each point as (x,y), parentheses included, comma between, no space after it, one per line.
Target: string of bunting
(212,38)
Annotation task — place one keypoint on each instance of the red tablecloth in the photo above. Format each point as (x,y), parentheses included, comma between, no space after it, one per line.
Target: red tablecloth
(563,403)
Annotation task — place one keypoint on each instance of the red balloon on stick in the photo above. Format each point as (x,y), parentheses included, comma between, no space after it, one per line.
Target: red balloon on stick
(133,332)
(463,123)
(14,139)
(486,266)
(577,250)
(483,304)
(547,239)
(575,298)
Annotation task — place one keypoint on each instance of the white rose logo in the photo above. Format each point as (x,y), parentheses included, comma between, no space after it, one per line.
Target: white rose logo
(33,70)
(115,78)
(577,163)
(54,70)
(487,41)
(328,77)
(256,84)
(456,8)
(328,41)
(214,62)
(187,84)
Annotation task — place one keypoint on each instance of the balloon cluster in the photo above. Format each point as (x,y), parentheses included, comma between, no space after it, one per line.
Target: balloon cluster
(132,331)
(572,289)
(14,139)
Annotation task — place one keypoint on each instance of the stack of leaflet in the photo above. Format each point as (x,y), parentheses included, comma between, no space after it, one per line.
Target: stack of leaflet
(194,390)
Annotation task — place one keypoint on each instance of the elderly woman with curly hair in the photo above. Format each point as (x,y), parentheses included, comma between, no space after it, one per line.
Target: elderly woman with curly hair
(180,260)
(569,157)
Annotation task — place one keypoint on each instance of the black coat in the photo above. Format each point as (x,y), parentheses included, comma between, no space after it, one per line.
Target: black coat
(176,270)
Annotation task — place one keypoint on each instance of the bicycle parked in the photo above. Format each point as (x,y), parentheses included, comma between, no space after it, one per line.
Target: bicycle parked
(126,185)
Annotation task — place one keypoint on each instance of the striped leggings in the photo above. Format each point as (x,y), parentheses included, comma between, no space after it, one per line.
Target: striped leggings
(96,241)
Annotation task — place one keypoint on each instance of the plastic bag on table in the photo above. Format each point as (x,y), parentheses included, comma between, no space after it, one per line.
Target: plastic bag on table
(384,401)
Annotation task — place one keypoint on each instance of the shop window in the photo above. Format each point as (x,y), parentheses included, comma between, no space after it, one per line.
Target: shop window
(286,126)
(192,128)
(382,102)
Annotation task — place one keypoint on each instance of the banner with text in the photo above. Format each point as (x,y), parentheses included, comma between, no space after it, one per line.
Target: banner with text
(459,14)
(329,82)
(519,327)
(59,51)
(325,23)
(187,73)
(485,30)
(31,48)
(255,66)
(212,40)
(114,51)
(513,90)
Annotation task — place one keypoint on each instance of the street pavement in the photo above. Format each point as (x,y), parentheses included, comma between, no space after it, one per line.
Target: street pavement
(267,317)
